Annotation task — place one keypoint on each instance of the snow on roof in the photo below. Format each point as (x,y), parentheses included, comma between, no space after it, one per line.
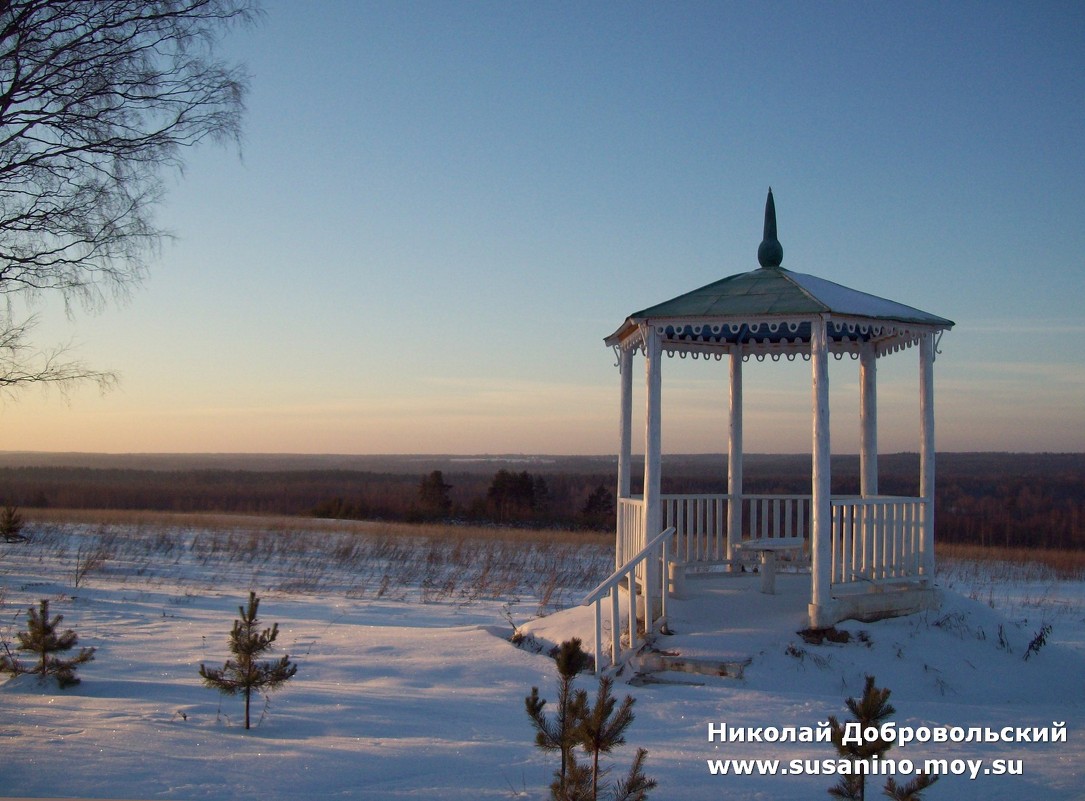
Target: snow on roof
(778,292)
(732,310)
(742,308)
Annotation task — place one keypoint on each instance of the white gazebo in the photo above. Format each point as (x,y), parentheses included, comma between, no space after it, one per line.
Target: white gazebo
(870,555)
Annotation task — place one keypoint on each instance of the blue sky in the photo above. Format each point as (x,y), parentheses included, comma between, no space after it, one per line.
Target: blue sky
(441,209)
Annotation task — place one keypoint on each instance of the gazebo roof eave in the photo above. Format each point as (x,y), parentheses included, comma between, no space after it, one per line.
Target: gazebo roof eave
(843,328)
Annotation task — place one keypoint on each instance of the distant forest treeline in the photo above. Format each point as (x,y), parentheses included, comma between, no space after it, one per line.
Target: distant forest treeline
(553,500)
(1015,500)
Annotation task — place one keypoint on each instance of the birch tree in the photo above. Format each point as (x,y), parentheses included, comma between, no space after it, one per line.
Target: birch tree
(99,100)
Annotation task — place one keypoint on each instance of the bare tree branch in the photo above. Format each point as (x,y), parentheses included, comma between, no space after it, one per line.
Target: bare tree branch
(22,364)
(97,99)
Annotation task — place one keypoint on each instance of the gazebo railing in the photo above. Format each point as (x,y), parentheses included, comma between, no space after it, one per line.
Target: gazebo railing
(768,516)
(875,539)
(630,529)
(701,522)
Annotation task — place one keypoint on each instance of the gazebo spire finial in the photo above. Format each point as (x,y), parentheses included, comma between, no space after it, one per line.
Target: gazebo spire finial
(770,253)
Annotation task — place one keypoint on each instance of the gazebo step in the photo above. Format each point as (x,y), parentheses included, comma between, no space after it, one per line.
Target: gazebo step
(656,662)
(643,679)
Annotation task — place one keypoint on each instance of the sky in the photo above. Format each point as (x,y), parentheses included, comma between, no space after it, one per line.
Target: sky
(440,209)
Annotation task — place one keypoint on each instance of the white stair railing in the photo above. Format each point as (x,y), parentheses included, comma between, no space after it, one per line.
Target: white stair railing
(652,586)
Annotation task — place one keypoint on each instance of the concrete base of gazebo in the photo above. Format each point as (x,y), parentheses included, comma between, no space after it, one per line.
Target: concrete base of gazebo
(726,620)
(863,601)
(877,602)
(718,624)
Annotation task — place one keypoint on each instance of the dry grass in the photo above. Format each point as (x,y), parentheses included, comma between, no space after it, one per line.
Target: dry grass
(212,521)
(427,563)
(1023,583)
(1062,564)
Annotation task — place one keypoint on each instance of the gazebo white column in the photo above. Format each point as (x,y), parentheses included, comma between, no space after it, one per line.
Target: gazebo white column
(734,454)
(653,518)
(653,512)
(625,448)
(926,453)
(820,508)
(868,420)
(868,447)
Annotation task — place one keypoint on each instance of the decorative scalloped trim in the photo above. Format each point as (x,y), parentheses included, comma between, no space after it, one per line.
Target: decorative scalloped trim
(709,341)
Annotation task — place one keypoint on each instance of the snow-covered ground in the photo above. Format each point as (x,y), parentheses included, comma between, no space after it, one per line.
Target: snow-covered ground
(407,685)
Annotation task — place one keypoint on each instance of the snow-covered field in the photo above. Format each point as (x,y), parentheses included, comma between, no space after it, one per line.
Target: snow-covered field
(407,685)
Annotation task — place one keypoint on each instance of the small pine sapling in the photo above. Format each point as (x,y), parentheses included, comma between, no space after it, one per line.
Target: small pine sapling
(43,639)
(598,728)
(245,673)
(561,734)
(870,711)
(11,524)
(602,729)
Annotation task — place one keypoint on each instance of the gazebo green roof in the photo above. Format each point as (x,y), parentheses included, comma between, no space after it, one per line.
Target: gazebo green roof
(772,291)
(772,305)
